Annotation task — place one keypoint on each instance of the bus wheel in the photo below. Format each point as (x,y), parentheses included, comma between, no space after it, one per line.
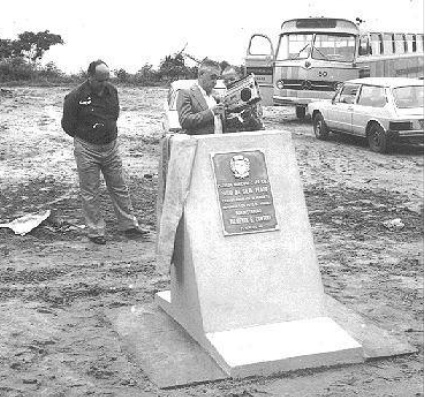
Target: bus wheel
(319,126)
(378,140)
(300,112)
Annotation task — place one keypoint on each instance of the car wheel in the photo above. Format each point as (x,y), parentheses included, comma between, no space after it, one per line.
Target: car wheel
(319,127)
(300,112)
(378,140)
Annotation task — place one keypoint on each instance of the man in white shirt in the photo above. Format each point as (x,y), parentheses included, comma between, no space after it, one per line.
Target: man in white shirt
(198,111)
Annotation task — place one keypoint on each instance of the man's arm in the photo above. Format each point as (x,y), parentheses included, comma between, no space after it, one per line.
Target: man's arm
(69,117)
(190,120)
(116,107)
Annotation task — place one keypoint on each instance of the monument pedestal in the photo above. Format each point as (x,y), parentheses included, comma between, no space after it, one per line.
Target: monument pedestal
(245,283)
(272,348)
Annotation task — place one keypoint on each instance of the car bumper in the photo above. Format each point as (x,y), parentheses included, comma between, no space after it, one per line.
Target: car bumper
(407,136)
(302,98)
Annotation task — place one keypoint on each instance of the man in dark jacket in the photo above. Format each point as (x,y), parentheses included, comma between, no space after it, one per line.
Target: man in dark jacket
(90,116)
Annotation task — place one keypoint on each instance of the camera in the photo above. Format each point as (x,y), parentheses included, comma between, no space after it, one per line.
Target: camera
(242,92)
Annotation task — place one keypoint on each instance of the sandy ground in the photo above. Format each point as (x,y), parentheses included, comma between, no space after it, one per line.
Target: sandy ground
(56,288)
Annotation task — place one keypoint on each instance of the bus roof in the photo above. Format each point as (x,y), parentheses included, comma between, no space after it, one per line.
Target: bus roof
(319,25)
(326,25)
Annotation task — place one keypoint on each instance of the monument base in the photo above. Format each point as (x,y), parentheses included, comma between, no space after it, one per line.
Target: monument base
(272,348)
(171,358)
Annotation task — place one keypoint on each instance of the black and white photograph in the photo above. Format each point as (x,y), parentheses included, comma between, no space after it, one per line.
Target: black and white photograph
(216,199)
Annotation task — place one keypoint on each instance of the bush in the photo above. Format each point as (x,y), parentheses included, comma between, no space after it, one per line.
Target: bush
(122,75)
(15,69)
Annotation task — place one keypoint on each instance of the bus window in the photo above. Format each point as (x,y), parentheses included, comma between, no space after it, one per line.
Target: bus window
(294,46)
(388,43)
(404,38)
(377,44)
(409,42)
(399,43)
(334,47)
(364,45)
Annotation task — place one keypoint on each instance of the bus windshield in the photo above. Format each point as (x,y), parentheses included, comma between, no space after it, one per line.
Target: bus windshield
(294,46)
(330,47)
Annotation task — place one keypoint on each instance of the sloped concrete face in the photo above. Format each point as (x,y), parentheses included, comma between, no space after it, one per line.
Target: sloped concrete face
(263,349)
(228,281)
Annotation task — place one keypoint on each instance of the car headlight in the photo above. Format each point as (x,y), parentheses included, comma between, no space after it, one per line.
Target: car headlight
(280,84)
(400,125)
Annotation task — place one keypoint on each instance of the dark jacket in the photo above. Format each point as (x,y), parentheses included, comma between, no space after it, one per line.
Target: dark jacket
(91,117)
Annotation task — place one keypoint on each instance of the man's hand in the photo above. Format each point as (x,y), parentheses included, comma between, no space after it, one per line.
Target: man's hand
(218,109)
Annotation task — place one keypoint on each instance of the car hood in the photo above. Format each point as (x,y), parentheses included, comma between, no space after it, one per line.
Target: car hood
(410,112)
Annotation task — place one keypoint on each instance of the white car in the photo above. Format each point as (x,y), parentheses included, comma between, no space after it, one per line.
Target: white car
(383,110)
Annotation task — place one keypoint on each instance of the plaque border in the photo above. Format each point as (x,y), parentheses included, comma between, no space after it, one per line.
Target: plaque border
(225,233)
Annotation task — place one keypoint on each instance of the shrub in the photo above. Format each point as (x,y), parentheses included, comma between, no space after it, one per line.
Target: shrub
(16,69)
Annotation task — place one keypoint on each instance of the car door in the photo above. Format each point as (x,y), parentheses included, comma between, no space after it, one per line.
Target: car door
(339,116)
(259,60)
(370,104)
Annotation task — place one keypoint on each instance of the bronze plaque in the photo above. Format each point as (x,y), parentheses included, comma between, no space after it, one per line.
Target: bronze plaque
(244,192)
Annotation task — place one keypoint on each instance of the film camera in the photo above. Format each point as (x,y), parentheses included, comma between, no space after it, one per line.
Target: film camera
(242,92)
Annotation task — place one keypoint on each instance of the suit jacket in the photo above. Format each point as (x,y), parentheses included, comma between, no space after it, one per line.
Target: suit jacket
(194,115)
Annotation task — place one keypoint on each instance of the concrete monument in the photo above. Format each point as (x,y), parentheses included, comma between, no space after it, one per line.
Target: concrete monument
(245,282)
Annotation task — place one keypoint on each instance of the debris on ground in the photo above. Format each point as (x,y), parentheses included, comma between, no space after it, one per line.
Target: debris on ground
(26,223)
(394,224)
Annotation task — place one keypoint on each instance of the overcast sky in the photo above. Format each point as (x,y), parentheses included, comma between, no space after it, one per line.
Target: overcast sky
(128,33)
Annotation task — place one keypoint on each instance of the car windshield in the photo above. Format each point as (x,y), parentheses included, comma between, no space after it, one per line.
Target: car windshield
(332,47)
(409,97)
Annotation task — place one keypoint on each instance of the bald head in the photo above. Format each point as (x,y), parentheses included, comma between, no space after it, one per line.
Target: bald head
(98,76)
(101,69)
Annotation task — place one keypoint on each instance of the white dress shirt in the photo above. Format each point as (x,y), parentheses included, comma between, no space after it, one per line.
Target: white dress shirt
(211,102)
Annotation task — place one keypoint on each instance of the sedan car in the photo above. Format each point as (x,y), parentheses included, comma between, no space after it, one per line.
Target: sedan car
(381,109)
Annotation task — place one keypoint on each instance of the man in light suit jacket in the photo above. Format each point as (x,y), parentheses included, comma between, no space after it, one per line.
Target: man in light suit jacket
(198,111)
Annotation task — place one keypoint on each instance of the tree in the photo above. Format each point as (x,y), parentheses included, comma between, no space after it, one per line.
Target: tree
(9,49)
(34,45)
(173,67)
(147,74)
(122,75)
(29,45)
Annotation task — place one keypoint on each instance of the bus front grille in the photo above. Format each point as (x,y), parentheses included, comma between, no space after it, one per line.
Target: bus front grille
(308,85)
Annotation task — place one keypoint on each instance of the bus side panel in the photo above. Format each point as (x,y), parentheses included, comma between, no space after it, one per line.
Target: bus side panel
(389,68)
(420,67)
(412,67)
(403,66)
(378,68)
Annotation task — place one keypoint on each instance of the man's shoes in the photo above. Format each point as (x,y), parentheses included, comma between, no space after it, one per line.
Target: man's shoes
(98,240)
(136,231)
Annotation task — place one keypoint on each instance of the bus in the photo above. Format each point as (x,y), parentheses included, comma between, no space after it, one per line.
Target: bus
(314,55)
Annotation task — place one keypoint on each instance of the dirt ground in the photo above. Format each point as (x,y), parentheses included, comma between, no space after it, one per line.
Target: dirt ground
(56,288)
